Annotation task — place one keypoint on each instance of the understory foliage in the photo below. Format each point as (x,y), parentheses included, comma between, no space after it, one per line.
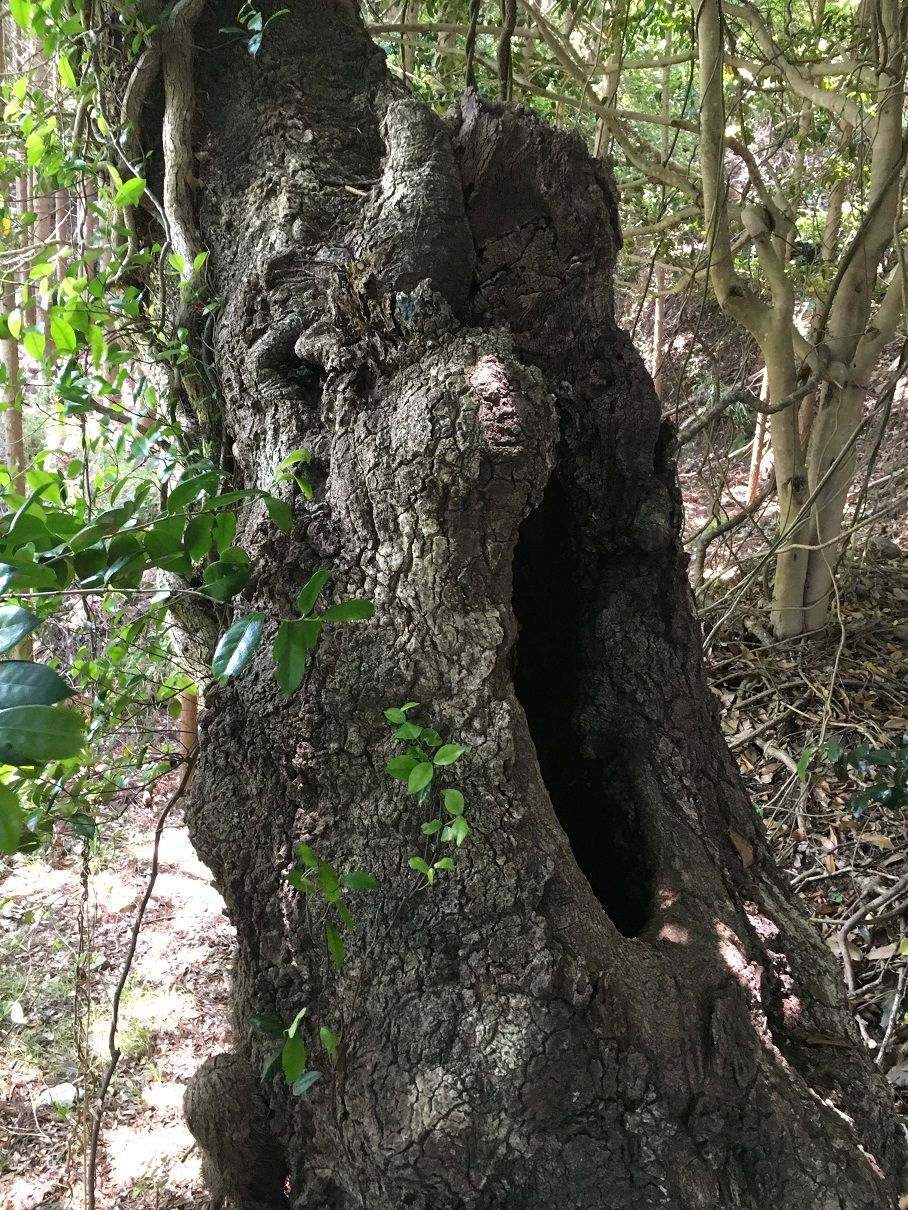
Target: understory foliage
(113,512)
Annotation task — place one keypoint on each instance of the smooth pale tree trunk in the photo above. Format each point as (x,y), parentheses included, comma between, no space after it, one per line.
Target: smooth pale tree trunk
(613,1000)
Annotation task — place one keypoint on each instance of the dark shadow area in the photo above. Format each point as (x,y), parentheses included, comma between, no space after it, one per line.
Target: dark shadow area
(592,797)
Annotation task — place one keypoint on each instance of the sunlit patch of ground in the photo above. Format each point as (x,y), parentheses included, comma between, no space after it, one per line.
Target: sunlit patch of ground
(173,1015)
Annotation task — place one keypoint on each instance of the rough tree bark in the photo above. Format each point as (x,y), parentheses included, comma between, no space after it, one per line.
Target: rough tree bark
(647,1021)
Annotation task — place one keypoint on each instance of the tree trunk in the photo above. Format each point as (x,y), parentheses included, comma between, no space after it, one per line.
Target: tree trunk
(613,1000)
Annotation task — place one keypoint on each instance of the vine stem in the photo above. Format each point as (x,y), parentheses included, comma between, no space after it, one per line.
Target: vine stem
(113,1049)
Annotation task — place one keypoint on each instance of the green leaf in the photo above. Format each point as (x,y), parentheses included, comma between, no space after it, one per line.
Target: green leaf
(63,334)
(191,488)
(15,624)
(448,754)
(11,820)
(83,825)
(293,1058)
(307,856)
(344,912)
(453,800)
(419,778)
(34,343)
(430,828)
(359,880)
(300,882)
(130,192)
(224,579)
(408,731)
(198,536)
(293,1027)
(223,531)
(292,644)
(417,863)
(349,611)
(8,573)
(329,1039)
(401,767)
(305,602)
(305,1082)
(444,863)
(279,513)
(268,1025)
(393,715)
(21,13)
(804,763)
(293,458)
(165,538)
(30,735)
(23,683)
(328,879)
(271,1066)
(460,830)
(336,946)
(237,646)
(67,75)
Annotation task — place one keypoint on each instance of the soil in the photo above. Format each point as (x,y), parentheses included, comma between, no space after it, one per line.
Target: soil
(173,1016)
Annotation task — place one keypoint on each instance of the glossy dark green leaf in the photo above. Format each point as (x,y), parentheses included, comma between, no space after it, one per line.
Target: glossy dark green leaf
(223,531)
(190,488)
(198,538)
(224,579)
(15,624)
(271,1066)
(292,644)
(83,825)
(8,573)
(30,735)
(268,1025)
(23,683)
(305,602)
(237,646)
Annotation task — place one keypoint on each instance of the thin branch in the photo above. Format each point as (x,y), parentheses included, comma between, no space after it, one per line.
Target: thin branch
(113,1048)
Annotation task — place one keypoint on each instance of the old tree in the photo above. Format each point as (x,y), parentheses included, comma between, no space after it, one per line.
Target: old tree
(612,1000)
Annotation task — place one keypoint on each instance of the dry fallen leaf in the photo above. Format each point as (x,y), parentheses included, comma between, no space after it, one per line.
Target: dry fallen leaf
(881,953)
(744,848)
(881,842)
(853,952)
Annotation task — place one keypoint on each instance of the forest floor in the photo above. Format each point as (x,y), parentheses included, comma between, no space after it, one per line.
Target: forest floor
(174,1014)
(780,704)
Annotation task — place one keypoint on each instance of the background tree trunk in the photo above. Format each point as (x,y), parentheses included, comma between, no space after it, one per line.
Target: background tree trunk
(427,308)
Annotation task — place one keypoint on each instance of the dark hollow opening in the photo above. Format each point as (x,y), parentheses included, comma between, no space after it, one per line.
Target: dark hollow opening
(591,797)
